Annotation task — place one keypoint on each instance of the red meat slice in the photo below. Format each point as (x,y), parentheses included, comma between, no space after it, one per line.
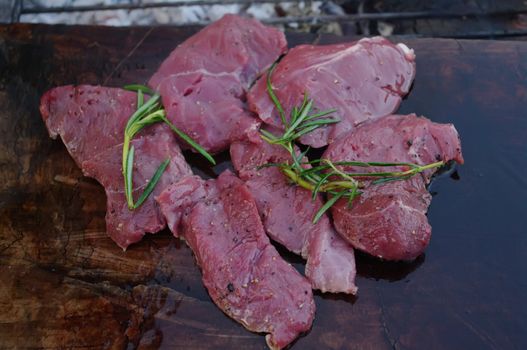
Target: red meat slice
(389,220)
(243,273)
(91,121)
(204,80)
(362,80)
(287,212)
(208,107)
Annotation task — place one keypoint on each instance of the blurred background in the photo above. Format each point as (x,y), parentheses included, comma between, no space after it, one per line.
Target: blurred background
(491,19)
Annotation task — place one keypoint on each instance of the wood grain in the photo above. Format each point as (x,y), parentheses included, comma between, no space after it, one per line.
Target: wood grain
(64,283)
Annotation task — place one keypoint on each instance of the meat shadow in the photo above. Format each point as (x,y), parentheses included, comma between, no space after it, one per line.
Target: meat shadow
(392,271)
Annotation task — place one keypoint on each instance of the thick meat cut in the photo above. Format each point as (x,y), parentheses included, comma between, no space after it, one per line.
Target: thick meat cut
(243,273)
(389,220)
(362,80)
(232,44)
(287,212)
(204,80)
(78,115)
(208,107)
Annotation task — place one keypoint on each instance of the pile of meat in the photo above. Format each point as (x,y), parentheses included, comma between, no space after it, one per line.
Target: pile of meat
(210,89)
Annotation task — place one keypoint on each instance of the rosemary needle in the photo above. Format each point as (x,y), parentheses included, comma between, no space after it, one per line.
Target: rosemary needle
(273,97)
(327,205)
(128,177)
(322,175)
(152,183)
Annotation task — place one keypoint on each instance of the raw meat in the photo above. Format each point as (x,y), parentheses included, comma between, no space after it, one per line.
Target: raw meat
(233,44)
(208,107)
(287,212)
(78,115)
(362,80)
(389,220)
(243,273)
(204,80)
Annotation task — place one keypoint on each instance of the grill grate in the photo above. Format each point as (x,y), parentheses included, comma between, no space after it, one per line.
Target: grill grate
(489,19)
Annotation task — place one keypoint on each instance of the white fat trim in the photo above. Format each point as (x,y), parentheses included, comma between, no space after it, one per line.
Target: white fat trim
(202,71)
(338,55)
(408,52)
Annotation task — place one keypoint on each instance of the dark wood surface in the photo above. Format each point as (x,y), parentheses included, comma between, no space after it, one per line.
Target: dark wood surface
(65,284)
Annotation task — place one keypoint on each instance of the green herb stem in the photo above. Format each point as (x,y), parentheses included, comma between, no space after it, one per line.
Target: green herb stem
(147,113)
(322,175)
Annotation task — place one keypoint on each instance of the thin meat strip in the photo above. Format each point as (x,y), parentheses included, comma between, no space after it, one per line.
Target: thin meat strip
(389,220)
(287,212)
(243,273)
(204,80)
(362,80)
(91,122)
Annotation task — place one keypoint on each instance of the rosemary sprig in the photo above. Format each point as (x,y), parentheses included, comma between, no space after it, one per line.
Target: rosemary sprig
(323,175)
(147,113)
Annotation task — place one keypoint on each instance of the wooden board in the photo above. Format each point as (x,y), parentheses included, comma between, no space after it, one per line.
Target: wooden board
(65,284)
